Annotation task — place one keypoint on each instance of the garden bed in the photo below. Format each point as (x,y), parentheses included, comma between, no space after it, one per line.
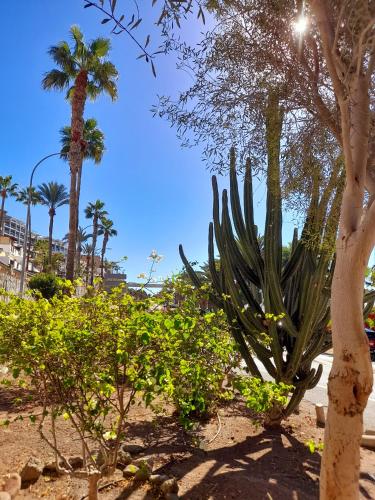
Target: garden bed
(242,460)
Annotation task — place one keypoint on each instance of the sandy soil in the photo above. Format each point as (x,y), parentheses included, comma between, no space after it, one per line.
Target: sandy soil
(243,461)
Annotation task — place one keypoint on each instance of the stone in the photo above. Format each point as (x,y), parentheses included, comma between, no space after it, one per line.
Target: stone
(158,478)
(11,483)
(32,470)
(130,470)
(169,486)
(123,458)
(142,474)
(144,462)
(133,449)
(4,495)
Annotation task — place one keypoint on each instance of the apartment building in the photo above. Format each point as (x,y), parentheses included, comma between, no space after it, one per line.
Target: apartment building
(15,228)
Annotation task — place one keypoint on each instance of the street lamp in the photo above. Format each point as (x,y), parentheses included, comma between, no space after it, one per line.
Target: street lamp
(27,228)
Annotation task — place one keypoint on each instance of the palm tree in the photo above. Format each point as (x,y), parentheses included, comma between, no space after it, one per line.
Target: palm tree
(96,212)
(7,188)
(23,197)
(85,72)
(107,230)
(53,195)
(94,148)
(87,250)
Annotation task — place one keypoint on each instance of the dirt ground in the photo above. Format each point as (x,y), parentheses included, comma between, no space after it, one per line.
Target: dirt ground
(228,457)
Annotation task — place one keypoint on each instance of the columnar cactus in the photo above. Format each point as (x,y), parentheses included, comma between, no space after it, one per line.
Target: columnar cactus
(278,314)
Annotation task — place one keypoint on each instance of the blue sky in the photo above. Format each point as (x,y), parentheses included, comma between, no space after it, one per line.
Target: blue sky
(157,194)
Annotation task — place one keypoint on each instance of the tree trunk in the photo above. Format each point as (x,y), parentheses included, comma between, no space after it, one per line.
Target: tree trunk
(75,161)
(79,181)
(93,486)
(78,263)
(2,213)
(50,233)
(94,238)
(274,416)
(104,248)
(87,268)
(350,380)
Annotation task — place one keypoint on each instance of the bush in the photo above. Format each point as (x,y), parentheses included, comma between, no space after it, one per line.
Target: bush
(198,350)
(46,284)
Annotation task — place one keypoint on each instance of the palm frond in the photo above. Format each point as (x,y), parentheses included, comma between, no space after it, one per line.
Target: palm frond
(56,80)
(53,194)
(100,47)
(63,57)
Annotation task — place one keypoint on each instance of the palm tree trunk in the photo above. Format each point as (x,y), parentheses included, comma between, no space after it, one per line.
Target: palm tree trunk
(50,233)
(75,161)
(94,238)
(79,253)
(2,214)
(87,268)
(104,248)
(79,181)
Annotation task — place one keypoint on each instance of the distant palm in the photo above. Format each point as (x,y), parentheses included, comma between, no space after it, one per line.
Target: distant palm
(85,73)
(93,139)
(23,197)
(82,236)
(53,195)
(87,251)
(7,188)
(96,212)
(107,231)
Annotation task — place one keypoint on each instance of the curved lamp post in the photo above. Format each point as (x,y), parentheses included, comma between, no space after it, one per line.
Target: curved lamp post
(27,228)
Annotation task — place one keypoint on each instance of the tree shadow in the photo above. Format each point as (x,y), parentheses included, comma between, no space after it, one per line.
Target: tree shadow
(17,399)
(263,466)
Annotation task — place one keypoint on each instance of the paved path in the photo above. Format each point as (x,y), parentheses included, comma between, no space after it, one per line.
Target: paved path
(319,393)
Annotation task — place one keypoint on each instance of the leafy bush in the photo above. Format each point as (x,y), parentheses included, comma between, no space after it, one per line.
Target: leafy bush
(263,396)
(46,284)
(198,350)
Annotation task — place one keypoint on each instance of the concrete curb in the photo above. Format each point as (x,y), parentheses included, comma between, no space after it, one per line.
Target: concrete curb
(368,438)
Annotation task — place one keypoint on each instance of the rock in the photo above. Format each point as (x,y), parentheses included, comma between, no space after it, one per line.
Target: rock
(32,470)
(123,458)
(76,462)
(130,470)
(158,478)
(10,483)
(169,486)
(147,462)
(142,474)
(171,496)
(133,449)
(4,495)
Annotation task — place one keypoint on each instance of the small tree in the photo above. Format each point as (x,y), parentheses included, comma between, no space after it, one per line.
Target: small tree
(7,188)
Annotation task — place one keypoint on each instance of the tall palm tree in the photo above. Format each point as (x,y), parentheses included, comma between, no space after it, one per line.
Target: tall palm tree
(87,251)
(94,148)
(53,195)
(23,197)
(83,69)
(7,188)
(96,212)
(107,231)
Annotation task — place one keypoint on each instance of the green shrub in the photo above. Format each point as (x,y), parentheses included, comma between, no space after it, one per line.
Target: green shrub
(198,350)
(46,284)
